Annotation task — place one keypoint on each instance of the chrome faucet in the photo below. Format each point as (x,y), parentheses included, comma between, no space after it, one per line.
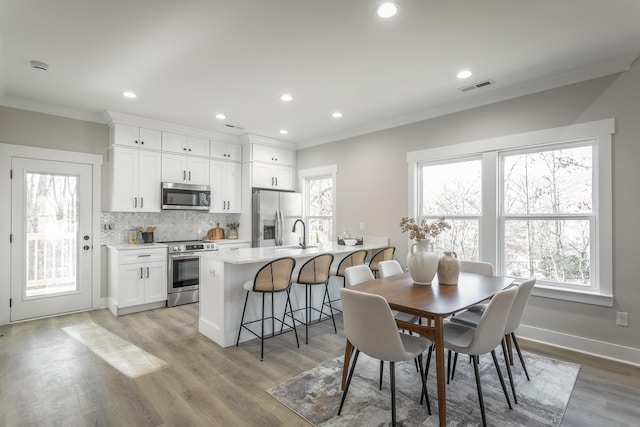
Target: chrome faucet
(303,245)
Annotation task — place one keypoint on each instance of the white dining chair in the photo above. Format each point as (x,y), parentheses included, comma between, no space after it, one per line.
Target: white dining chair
(483,339)
(472,318)
(389,268)
(370,327)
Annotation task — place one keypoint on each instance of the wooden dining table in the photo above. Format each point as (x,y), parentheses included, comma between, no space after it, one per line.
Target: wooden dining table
(434,302)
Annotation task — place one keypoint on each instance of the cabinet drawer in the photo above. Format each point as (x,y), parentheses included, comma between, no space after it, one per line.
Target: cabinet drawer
(137,256)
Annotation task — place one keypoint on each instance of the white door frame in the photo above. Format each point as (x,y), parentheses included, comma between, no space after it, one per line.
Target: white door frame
(7,151)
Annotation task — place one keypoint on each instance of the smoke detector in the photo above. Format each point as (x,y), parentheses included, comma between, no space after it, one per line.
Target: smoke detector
(39,65)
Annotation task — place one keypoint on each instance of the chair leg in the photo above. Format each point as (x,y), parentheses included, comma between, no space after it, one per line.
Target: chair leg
(295,331)
(424,384)
(262,328)
(392,374)
(455,363)
(307,313)
(242,318)
(515,342)
(381,371)
(479,387)
(426,371)
(346,387)
(504,387)
(506,361)
(448,365)
(333,319)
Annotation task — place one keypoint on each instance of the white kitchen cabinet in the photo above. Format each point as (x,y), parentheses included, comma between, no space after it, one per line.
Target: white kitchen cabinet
(179,168)
(271,176)
(137,278)
(226,189)
(191,145)
(134,136)
(226,151)
(271,154)
(135,178)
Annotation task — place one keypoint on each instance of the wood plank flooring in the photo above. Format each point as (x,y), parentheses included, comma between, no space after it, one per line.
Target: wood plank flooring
(49,379)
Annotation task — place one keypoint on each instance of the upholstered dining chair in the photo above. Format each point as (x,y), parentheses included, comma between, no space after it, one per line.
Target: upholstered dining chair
(350,260)
(477,267)
(272,278)
(384,254)
(369,325)
(362,273)
(389,268)
(472,318)
(483,339)
(315,272)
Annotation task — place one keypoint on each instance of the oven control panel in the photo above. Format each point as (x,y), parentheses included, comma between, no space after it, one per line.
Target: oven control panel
(192,247)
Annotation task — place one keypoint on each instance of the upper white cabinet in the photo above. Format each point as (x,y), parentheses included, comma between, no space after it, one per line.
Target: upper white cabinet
(191,145)
(134,136)
(185,169)
(271,154)
(135,180)
(273,176)
(226,189)
(226,151)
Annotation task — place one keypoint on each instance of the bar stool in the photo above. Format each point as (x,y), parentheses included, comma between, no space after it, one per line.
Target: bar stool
(315,272)
(384,254)
(273,277)
(353,258)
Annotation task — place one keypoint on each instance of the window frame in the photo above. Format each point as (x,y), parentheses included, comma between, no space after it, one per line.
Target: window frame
(492,224)
(304,175)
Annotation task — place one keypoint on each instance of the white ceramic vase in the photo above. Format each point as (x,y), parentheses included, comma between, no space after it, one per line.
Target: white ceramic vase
(422,262)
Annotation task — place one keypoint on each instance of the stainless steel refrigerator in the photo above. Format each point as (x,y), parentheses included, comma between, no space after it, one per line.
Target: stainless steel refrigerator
(274,213)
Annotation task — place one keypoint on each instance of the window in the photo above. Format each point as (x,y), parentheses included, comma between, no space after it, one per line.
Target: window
(319,203)
(535,204)
(453,190)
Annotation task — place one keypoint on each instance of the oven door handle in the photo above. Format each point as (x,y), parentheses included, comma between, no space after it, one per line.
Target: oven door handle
(182,256)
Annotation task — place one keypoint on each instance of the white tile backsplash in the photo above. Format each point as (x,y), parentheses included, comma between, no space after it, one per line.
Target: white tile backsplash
(171,225)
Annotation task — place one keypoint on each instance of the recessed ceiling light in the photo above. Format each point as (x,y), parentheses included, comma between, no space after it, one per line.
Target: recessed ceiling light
(286,97)
(220,116)
(387,9)
(39,65)
(284,131)
(129,94)
(464,74)
(336,115)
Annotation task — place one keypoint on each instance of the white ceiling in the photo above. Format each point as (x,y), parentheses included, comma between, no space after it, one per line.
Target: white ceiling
(190,59)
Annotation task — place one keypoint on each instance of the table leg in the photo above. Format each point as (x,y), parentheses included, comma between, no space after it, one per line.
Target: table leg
(440,372)
(345,366)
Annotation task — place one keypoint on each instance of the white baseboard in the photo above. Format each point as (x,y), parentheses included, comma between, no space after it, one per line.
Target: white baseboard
(579,344)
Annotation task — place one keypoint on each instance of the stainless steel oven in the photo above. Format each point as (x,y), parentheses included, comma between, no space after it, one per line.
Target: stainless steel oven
(183,284)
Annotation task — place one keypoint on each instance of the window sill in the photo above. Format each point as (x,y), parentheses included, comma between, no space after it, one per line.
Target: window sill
(592,298)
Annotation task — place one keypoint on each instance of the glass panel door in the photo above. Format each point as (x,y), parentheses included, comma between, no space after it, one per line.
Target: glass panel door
(51,238)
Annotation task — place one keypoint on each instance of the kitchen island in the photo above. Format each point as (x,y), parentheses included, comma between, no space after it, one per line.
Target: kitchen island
(223,273)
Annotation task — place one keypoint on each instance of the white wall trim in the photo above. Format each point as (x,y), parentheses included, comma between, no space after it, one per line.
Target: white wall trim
(7,152)
(605,350)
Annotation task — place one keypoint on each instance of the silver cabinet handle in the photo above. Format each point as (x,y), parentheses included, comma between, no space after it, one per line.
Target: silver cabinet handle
(184,175)
(189,175)
(141,273)
(141,202)
(147,272)
(135,202)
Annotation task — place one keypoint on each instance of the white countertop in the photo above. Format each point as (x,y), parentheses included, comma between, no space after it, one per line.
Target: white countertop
(253,255)
(128,247)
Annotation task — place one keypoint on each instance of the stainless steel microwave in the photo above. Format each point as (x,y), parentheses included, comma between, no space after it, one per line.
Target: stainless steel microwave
(191,197)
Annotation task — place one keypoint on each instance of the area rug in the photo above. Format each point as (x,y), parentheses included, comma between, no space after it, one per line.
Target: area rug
(315,395)
(129,359)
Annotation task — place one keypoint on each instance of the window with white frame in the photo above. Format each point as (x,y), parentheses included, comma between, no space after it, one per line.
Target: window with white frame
(535,204)
(319,203)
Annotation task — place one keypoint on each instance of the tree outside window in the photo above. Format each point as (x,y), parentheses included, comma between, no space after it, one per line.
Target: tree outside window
(320,209)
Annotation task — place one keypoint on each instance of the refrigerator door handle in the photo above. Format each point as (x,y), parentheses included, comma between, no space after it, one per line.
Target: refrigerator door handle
(277,236)
(281,228)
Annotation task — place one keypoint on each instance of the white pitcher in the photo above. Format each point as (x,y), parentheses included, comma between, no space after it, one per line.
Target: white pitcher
(422,263)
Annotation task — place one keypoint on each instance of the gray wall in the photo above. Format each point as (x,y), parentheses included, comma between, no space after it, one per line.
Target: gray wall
(373,175)
(21,127)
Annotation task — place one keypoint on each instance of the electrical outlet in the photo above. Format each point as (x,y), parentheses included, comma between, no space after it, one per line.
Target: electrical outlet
(362,226)
(622,318)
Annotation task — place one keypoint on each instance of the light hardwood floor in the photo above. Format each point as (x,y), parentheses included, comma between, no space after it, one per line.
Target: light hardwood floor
(49,379)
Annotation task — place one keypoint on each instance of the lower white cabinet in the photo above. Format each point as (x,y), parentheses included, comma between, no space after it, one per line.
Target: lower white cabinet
(230,245)
(137,278)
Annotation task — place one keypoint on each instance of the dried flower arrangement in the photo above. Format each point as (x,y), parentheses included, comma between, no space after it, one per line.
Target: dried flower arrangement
(425,230)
